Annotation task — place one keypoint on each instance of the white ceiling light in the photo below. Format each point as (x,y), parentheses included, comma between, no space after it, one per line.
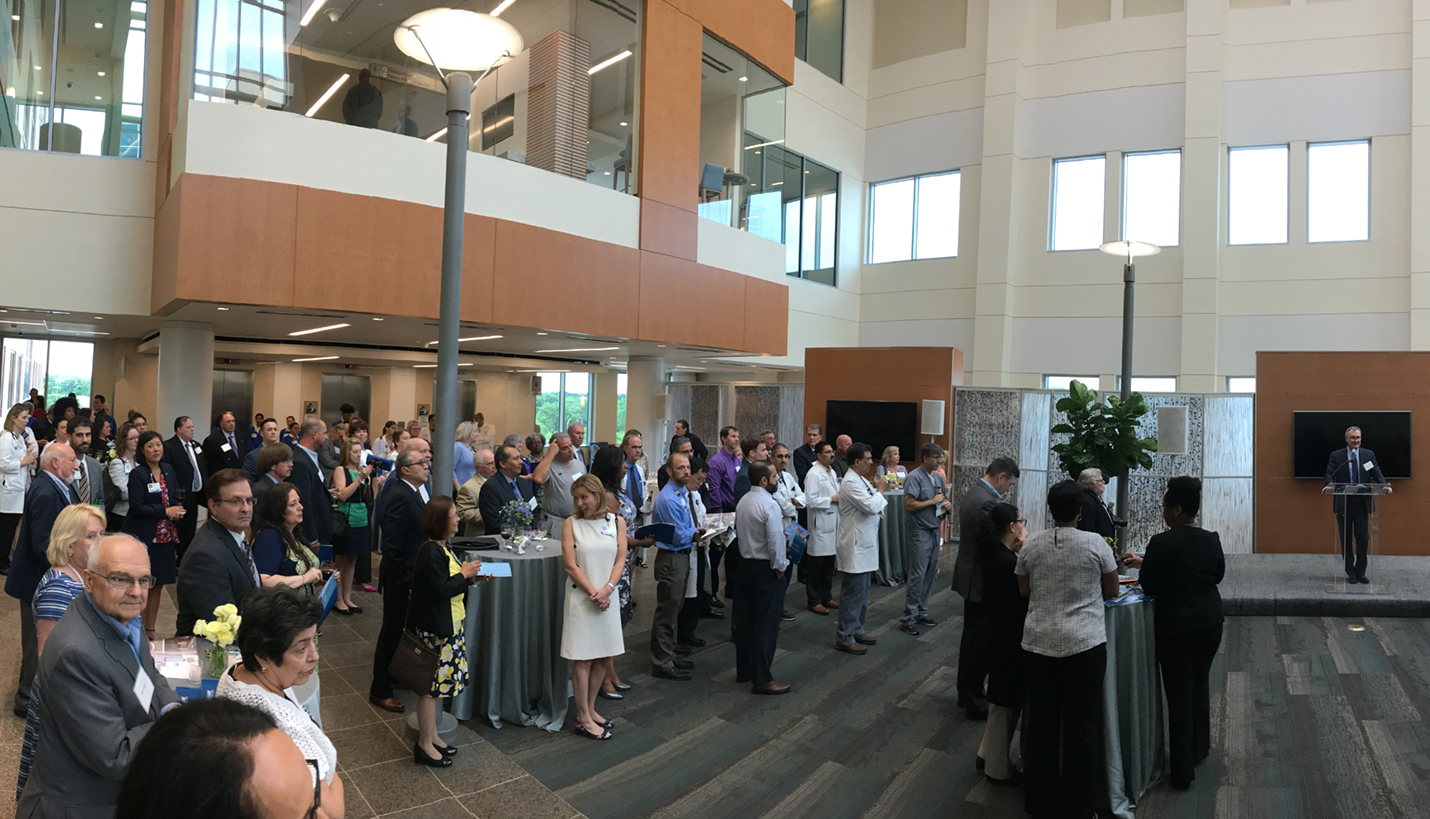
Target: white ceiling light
(503,6)
(99,25)
(376,318)
(437,135)
(30,323)
(312,10)
(581,350)
(319,330)
(457,40)
(423,366)
(469,338)
(610,62)
(327,95)
(316,358)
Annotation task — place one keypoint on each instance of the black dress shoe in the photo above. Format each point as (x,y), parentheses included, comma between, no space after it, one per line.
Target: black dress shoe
(711,614)
(693,642)
(1362,579)
(421,758)
(683,664)
(978,762)
(1015,779)
(908,628)
(716,602)
(670,674)
(1352,579)
(683,650)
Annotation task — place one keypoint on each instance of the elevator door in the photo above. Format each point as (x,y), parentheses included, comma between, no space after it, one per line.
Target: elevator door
(233,392)
(344,389)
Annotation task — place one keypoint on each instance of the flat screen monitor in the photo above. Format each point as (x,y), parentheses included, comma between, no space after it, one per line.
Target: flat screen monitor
(876,423)
(1387,434)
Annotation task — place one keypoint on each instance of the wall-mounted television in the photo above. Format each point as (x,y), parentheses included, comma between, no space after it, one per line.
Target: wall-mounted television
(876,423)
(1386,433)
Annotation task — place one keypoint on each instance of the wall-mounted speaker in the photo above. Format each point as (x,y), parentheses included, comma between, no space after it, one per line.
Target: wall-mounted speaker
(1171,430)
(536,385)
(931,418)
(659,406)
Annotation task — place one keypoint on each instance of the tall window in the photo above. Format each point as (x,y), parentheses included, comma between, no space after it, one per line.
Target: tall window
(1078,190)
(1241,383)
(914,218)
(621,381)
(1338,192)
(811,218)
(819,35)
(1152,197)
(1063,382)
(565,399)
(1151,383)
(1256,195)
(55,368)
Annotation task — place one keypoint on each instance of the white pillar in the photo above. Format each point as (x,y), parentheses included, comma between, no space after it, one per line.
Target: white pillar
(645,379)
(186,376)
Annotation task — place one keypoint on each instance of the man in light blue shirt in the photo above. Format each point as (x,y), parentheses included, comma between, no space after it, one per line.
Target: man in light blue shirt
(759,594)
(672,570)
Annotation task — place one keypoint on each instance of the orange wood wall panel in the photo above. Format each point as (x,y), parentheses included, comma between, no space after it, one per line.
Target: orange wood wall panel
(164,282)
(236,241)
(675,302)
(882,374)
(728,20)
(772,37)
(1292,516)
(668,230)
(670,107)
(479,264)
(766,317)
(564,282)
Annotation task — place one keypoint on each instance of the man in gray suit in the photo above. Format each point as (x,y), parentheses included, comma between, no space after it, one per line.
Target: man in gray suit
(996,482)
(219,568)
(88,480)
(97,692)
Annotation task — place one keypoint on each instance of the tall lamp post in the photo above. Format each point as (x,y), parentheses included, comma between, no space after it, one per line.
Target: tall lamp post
(1129,250)
(461,41)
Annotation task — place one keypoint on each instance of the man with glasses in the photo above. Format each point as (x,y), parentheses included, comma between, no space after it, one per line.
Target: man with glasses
(926,501)
(861,505)
(218,568)
(97,692)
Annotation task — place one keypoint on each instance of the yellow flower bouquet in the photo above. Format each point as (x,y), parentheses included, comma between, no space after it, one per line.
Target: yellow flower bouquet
(221,631)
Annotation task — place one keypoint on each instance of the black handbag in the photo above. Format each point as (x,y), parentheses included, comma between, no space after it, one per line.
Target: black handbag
(414,666)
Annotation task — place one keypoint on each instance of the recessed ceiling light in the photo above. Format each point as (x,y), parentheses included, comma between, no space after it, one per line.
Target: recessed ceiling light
(377,318)
(608,173)
(580,350)
(99,318)
(1356,628)
(744,79)
(96,96)
(610,62)
(320,330)
(541,334)
(101,73)
(660,345)
(14,17)
(29,323)
(223,308)
(38,68)
(423,366)
(312,10)
(99,25)
(317,358)
(468,338)
(623,124)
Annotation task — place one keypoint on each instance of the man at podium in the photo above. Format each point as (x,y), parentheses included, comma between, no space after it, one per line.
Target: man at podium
(1354,465)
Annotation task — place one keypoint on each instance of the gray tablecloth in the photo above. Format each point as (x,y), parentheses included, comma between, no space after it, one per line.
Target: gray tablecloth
(514,641)
(1132,707)
(893,542)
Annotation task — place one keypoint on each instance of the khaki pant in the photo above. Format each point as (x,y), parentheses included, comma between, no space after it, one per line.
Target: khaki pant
(672,569)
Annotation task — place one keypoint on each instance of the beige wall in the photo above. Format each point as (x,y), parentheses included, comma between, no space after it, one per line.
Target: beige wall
(135,383)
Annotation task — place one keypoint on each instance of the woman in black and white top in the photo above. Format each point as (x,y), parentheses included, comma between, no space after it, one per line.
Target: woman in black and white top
(1066,575)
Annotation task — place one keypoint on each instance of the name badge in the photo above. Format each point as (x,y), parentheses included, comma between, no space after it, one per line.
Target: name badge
(225,448)
(531,504)
(144,689)
(1368,465)
(154,487)
(198,449)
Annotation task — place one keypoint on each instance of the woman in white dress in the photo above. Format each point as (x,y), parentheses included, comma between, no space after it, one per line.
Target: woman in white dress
(821,491)
(593,548)
(18,453)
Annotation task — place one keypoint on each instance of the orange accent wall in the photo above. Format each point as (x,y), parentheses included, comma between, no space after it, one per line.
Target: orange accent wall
(1292,516)
(238,241)
(882,374)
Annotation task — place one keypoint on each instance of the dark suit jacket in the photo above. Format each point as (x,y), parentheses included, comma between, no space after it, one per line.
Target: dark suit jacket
(496,493)
(260,486)
(742,481)
(433,587)
(1182,568)
(1095,517)
(967,568)
(217,458)
(1338,471)
(146,508)
(401,525)
(312,486)
(184,471)
(90,720)
(44,501)
(250,463)
(803,459)
(215,571)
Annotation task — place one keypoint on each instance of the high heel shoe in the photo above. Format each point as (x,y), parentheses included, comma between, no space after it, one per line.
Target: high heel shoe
(580,729)
(421,758)
(446,750)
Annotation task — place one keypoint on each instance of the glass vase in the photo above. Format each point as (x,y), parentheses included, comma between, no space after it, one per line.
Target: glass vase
(218,660)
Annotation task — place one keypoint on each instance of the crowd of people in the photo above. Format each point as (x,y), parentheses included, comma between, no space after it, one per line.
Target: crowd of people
(1032,650)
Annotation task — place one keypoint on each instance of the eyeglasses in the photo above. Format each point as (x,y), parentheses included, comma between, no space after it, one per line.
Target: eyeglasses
(317,789)
(124,581)
(1021,521)
(238,502)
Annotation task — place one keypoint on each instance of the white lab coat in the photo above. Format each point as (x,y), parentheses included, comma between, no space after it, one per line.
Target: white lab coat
(697,552)
(787,492)
(821,484)
(860,508)
(14,478)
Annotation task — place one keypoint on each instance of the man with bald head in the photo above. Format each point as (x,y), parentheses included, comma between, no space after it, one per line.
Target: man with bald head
(48,495)
(97,692)
(841,460)
(467,509)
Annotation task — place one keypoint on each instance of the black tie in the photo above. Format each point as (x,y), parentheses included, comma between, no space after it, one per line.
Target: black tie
(1355,469)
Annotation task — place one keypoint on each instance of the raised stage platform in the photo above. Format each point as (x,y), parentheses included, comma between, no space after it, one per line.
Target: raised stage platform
(1313,585)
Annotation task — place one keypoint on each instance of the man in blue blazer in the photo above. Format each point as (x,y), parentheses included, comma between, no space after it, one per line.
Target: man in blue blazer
(503,488)
(312,483)
(401,516)
(1354,465)
(48,495)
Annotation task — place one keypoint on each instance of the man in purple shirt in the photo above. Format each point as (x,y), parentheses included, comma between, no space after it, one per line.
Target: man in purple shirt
(721,485)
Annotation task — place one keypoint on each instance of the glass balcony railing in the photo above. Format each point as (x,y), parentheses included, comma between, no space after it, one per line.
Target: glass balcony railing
(567,103)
